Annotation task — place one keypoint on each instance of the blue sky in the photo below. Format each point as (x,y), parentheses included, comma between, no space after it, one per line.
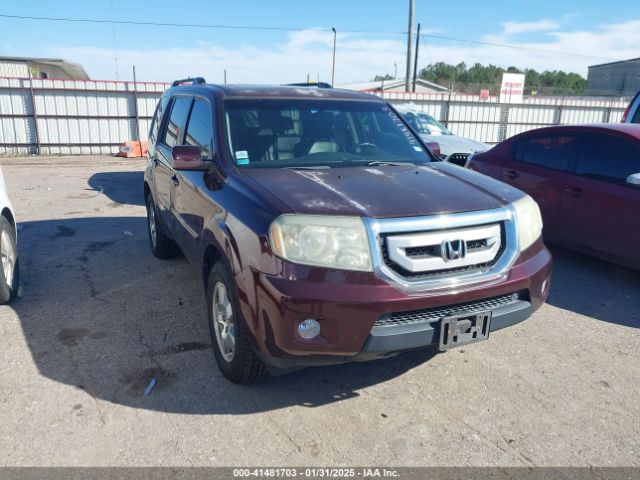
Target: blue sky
(586,27)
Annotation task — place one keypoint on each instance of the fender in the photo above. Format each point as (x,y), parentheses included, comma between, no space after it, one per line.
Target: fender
(217,234)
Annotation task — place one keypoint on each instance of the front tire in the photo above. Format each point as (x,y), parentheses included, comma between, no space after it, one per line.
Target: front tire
(230,336)
(10,266)
(161,245)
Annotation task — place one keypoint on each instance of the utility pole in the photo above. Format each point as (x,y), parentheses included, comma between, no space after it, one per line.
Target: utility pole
(395,71)
(135,106)
(415,63)
(407,84)
(333,68)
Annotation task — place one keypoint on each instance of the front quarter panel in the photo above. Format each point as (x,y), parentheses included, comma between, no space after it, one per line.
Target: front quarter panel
(237,222)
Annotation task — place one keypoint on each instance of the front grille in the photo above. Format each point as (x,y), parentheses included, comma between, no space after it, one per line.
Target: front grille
(418,252)
(476,244)
(458,158)
(437,313)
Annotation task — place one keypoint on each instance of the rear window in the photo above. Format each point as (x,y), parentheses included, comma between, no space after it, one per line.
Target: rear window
(550,151)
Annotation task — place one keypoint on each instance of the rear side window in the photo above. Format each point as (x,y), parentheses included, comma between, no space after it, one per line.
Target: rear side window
(157,121)
(200,127)
(606,157)
(550,151)
(177,120)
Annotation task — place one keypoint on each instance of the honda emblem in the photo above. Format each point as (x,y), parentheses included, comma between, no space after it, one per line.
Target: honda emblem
(453,250)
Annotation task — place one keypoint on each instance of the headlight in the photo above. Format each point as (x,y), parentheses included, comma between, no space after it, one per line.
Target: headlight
(528,221)
(324,241)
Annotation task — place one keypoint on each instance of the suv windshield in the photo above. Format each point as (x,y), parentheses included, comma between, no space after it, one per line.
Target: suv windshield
(424,123)
(317,133)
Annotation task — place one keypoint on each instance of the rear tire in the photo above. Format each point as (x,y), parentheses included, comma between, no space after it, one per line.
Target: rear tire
(10,278)
(230,337)
(161,245)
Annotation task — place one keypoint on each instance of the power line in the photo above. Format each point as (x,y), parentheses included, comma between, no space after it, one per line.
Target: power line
(193,25)
(515,47)
(296,29)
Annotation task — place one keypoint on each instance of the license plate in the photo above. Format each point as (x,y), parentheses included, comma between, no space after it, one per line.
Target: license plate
(464,328)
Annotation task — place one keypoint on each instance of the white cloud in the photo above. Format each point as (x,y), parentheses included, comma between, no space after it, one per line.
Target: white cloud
(306,52)
(359,57)
(513,28)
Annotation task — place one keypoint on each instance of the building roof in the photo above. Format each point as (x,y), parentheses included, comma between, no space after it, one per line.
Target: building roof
(391,84)
(74,70)
(615,63)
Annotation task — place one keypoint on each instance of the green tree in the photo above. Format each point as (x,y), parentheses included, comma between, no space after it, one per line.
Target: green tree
(462,78)
(383,78)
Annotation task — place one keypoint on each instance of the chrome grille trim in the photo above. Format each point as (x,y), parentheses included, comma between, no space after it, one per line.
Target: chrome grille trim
(492,272)
(433,259)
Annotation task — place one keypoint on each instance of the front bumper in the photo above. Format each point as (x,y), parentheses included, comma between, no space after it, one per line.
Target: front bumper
(384,339)
(349,305)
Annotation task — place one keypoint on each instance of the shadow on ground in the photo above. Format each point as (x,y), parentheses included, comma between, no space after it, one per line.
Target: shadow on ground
(595,288)
(101,314)
(120,187)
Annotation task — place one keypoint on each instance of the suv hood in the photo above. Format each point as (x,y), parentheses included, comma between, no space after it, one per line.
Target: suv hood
(385,191)
(453,144)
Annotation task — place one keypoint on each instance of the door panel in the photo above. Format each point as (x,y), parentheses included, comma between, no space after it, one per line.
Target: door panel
(538,166)
(600,212)
(162,174)
(191,204)
(162,156)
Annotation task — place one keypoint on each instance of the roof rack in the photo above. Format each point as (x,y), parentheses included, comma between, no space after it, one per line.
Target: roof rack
(192,81)
(310,84)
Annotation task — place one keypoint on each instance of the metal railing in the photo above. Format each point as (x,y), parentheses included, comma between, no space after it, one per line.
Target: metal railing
(49,116)
(491,121)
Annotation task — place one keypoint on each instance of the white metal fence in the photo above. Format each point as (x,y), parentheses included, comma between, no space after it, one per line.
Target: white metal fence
(51,116)
(73,116)
(491,121)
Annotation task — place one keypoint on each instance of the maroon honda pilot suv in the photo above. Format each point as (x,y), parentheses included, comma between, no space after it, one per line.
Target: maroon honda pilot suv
(325,231)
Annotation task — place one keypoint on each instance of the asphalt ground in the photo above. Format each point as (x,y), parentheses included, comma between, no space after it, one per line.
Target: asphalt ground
(99,317)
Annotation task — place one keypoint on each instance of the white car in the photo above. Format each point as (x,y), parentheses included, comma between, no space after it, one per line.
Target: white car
(453,148)
(632,113)
(8,247)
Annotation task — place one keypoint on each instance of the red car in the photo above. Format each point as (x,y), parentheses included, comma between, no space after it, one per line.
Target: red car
(586,180)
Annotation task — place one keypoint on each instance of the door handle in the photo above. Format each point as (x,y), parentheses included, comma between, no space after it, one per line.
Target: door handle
(512,174)
(575,191)
(175,180)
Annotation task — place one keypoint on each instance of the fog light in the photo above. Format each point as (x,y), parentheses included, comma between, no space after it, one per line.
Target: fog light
(309,329)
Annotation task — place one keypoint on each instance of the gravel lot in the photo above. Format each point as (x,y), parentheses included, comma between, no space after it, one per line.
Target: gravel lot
(99,316)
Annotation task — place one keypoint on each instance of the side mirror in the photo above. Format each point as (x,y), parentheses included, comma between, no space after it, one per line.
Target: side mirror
(186,157)
(634,180)
(435,148)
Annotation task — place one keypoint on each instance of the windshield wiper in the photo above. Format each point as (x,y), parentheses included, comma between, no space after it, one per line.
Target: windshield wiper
(379,163)
(305,167)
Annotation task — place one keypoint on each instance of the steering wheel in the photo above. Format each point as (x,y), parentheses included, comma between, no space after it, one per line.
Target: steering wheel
(362,148)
